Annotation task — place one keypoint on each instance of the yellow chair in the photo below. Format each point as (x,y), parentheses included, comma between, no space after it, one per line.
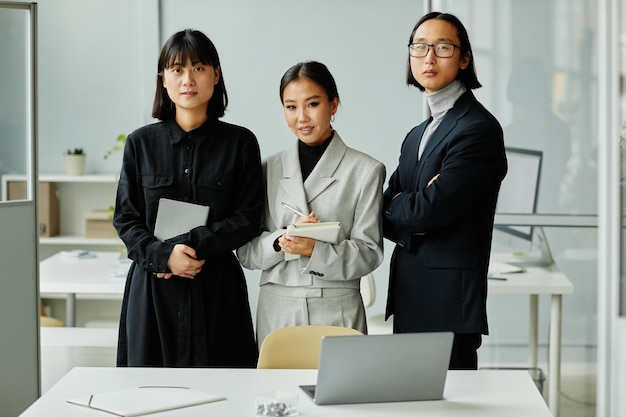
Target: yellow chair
(47,321)
(297,347)
(376,323)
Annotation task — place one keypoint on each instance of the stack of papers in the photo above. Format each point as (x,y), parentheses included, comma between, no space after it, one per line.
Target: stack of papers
(145,400)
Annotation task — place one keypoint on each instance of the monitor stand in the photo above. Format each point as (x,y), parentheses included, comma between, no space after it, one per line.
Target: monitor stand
(542,256)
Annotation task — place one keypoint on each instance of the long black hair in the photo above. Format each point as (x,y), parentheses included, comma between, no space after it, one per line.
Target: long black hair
(468,75)
(197,47)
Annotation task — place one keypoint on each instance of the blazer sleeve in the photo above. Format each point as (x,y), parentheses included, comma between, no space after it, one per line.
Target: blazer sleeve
(470,167)
(259,252)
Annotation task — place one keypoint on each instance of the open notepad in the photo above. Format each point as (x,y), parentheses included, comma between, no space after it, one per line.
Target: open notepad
(324,232)
(145,400)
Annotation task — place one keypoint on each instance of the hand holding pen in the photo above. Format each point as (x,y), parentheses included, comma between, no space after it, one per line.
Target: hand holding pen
(305,218)
(298,245)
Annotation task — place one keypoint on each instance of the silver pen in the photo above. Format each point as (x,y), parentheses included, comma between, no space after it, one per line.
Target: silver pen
(293,210)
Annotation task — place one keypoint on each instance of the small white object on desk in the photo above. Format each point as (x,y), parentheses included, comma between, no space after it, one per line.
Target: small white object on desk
(498,268)
(78,254)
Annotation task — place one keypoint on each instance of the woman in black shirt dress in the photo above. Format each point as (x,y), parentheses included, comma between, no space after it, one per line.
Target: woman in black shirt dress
(186,301)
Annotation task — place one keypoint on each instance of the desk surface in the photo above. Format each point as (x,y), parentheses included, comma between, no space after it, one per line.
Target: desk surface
(467,393)
(106,274)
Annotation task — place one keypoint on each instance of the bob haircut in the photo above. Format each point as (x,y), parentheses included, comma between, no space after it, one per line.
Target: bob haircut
(197,47)
(314,71)
(468,75)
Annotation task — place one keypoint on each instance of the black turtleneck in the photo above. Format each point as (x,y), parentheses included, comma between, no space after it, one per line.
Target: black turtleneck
(310,155)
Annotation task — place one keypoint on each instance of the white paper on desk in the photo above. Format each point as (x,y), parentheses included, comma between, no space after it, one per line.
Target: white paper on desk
(77,254)
(145,400)
(177,217)
(323,231)
(497,268)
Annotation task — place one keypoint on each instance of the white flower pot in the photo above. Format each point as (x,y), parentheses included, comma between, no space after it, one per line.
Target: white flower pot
(75,164)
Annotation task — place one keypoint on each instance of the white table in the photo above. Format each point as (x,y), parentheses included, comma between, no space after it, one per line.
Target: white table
(536,280)
(59,275)
(467,393)
(103,277)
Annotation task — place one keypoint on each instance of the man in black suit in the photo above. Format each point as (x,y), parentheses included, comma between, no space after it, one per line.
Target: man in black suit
(440,202)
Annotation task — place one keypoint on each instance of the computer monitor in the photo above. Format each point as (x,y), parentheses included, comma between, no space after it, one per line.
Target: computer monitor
(518,195)
(520,188)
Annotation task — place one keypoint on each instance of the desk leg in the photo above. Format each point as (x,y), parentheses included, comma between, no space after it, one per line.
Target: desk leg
(533,337)
(70,310)
(554,373)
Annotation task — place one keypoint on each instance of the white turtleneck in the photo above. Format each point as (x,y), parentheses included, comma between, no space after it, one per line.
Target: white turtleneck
(439,103)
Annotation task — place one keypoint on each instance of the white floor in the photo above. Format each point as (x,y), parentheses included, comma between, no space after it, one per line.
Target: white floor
(578,374)
(578,391)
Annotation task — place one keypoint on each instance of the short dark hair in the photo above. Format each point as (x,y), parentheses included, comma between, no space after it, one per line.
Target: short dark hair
(468,75)
(181,46)
(314,71)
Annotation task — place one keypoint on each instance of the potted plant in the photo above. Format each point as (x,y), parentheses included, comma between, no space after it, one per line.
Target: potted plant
(119,146)
(75,161)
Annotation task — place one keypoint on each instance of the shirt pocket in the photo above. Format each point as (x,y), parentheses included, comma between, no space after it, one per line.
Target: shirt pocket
(218,191)
(156,186)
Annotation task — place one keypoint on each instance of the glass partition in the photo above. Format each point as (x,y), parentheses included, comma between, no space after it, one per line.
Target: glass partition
(622,147)
(16,99)
(537,61)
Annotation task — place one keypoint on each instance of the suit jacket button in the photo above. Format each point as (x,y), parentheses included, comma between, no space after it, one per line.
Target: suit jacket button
(401,243)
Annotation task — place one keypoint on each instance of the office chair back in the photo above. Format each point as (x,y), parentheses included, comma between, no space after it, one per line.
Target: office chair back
(368,290)
(297,347)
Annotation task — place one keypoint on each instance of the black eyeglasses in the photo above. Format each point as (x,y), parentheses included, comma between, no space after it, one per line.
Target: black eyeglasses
(441,50)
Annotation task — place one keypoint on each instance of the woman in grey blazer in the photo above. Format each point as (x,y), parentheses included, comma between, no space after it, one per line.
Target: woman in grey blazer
(324,180)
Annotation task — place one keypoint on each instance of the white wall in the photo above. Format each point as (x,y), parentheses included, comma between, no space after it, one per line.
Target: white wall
(96,61)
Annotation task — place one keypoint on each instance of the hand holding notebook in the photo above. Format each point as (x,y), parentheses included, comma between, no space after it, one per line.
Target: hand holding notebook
(323,231)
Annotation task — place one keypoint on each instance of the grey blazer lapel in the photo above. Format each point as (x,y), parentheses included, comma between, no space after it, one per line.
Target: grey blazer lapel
(322,175)
(291,182)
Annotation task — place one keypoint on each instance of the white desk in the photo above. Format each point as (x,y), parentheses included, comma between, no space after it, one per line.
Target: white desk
(103,277)
(59,275)
(467,393)
(534,281)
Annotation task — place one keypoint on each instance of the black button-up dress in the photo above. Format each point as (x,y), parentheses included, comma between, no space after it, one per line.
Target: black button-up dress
(180,322)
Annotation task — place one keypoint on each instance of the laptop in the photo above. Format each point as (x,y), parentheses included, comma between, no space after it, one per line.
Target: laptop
(382,368)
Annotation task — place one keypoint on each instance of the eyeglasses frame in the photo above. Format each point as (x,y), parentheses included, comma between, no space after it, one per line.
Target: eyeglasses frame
(431,46)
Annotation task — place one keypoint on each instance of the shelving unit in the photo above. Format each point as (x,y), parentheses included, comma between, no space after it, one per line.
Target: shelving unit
(77,195)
